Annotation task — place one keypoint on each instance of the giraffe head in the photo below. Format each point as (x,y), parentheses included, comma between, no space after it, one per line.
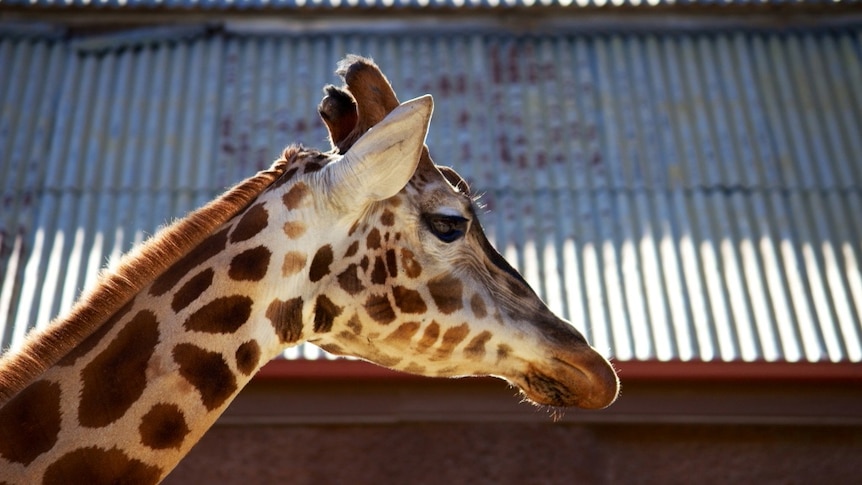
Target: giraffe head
(407,278)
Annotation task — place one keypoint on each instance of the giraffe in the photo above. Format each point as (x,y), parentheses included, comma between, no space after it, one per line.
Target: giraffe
(368,249)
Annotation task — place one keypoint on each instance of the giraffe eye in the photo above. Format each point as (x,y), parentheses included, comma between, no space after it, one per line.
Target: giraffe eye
(446,228)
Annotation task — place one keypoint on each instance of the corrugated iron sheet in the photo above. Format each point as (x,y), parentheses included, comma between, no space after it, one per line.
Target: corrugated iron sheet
(678,196)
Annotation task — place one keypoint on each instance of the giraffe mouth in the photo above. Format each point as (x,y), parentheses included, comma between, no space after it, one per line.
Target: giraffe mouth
(584,379)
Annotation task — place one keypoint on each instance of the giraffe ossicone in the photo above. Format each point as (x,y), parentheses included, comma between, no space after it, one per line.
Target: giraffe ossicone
(369,250)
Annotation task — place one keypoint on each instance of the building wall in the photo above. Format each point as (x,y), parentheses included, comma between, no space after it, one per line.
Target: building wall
(525,453)
(474,431)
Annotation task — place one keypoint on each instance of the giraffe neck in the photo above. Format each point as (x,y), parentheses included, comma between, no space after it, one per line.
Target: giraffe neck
(140,391)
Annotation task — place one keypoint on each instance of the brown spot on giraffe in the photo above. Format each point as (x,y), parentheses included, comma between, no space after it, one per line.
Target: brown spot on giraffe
(248,357)
(320,263)
(207,372)
(332,348)
(391,263)
(451,338)
(312,167)
(163,426)
(414,368)
(412,268)
(116,378)
(387,218)
(429,337)
(354,324)
(285,177)
(349,280)
(403,333)
(447,293)
(250,265)
(30,422)
(352,249)
(383,359)
(503,352)
(96,337)
(294,229)
(294,262)
(222,315)
(192,289)
(372,241)
(478,306)
(475,349)
(378,274)
(408,300)
(325,312)
(203,252)
(295,197)
(379,309)
(348,336)
(252,222)
(286,318)
(93,465)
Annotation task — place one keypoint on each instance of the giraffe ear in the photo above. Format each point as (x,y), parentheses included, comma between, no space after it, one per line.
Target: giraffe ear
(384,159)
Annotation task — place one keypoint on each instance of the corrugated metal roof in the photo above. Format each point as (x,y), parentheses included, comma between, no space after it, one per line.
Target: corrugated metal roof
(684,196)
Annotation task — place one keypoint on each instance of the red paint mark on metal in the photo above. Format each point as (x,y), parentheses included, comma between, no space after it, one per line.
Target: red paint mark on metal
(503,147)
(445,87)
(230,70)
(541,160)
(512,64)
(532,69)
(496,66)
(463,119)
(226,134)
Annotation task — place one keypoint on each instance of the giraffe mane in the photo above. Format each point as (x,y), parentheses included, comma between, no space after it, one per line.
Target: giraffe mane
(43,348)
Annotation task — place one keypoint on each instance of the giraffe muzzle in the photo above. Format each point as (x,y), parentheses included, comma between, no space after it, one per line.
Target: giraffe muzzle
(577,378)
